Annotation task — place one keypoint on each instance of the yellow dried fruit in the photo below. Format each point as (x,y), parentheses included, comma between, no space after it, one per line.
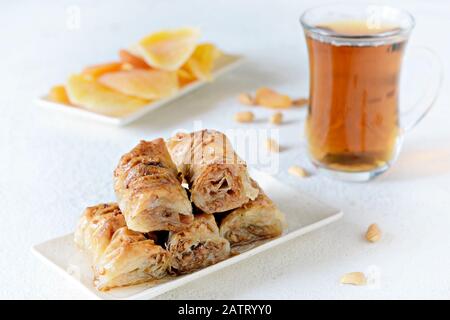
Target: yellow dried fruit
(185,77)
(97,70)
(269,98)
(168,49)
(244,117)
(201,62)
(373,233)
(276,118)
(87,93)
(354,278)
(146,84)
(136,62)
(127,67)
(58,94)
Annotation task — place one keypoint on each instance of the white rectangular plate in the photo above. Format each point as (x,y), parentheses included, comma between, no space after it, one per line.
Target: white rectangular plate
(303,214)
(224,64)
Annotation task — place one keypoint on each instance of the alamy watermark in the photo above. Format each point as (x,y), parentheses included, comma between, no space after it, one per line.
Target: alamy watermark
(377,15)
(73,17)
(248,144)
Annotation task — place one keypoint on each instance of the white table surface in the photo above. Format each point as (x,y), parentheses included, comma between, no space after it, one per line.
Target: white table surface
(52,166)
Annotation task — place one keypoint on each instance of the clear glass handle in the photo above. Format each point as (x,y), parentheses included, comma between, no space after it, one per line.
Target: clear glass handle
(414,114)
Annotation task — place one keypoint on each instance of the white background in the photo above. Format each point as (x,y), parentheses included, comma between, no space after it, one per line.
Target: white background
(52,165)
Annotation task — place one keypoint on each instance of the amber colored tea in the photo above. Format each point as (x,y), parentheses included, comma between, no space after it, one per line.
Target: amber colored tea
(353,121)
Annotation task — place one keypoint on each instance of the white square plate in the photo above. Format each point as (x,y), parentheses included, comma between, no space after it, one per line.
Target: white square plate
(224,64)
(303,214)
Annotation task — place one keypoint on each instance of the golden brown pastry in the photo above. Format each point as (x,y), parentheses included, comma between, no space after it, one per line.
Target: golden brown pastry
(119,256)
(148,190)
(256,220)
(199,246)
(96,228)
(130,258)
(217,177)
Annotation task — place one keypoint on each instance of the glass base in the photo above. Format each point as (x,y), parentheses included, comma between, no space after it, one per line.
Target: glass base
(361,176)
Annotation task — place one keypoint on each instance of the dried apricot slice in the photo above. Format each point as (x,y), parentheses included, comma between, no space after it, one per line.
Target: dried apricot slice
(58,94)
(133,60)
(97,70)
(87,93)
(201,63)
(185,77)
(168,49)
(145,84)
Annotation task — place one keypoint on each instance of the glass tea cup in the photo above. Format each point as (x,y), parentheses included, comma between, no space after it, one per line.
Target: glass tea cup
(355,125)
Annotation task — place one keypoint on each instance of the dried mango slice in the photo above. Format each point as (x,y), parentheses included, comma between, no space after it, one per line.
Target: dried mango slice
(201,62)
(185,77)
(58,94)
(145,84)
(136,62)
(269,98)
(86,92)
(135,50)
(168,49)
(97,70)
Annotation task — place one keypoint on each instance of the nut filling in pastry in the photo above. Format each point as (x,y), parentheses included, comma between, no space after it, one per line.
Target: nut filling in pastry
(256,220)
(217,177)
(198,246)
(119,255)
(129,259)
(96,228)
(148,190)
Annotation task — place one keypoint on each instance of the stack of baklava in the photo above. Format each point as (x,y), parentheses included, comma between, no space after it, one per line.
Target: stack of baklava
(182,205)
